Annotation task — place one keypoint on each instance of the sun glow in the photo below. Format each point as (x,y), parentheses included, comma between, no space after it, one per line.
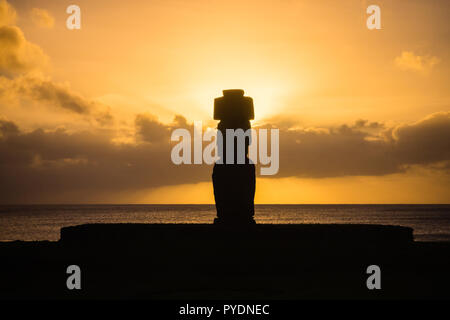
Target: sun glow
(267,97)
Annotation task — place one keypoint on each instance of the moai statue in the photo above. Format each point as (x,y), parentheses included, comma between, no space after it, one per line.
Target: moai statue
(234,181)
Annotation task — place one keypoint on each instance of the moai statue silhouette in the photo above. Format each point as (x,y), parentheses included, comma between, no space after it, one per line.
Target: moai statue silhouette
(234,180)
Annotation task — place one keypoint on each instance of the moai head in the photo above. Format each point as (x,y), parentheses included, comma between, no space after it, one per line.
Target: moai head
(233,108)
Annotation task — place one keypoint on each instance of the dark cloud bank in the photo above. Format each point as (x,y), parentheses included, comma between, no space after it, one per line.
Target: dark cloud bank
(49,166)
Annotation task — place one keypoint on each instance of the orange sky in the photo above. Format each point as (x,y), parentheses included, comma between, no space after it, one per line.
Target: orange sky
(311,67)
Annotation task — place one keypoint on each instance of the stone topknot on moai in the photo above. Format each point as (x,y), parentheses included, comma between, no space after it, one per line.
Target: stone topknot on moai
(234,181)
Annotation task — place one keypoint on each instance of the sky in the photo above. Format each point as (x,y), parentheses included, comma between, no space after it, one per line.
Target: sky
(86,115)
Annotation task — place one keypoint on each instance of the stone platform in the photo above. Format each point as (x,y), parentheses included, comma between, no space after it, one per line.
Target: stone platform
(196,261)
(260,235)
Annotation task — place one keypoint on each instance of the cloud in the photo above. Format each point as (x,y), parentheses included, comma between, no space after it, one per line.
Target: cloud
(425,141)
(42,18)
(21,79)
(36,89)
(365,124)
(57,94)
(150,130)
(7,14)
(8,128)
(17,55)
(354,151)
(44,165)
(410,61)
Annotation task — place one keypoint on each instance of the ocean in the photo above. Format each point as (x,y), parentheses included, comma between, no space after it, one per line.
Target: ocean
(43,222)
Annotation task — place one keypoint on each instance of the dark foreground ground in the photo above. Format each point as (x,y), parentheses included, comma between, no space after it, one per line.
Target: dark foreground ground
(213,262)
